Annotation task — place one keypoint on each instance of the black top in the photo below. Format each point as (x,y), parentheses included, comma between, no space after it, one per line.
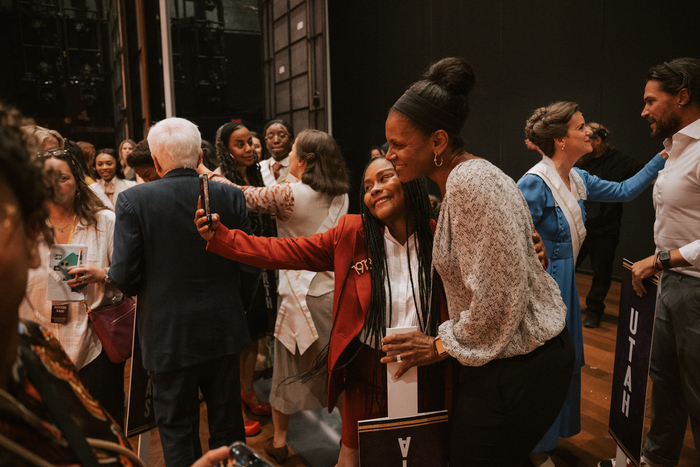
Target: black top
(604,218)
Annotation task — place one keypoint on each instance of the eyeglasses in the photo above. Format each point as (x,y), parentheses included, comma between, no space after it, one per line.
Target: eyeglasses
(281,136)
(52,153)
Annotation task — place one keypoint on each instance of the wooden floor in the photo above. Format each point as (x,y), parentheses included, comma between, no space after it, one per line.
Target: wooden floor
(583,450)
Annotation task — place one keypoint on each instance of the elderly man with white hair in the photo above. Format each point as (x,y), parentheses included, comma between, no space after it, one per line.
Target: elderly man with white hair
(191,322)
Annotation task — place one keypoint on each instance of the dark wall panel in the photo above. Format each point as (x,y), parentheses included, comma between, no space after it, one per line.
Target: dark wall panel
(527,53)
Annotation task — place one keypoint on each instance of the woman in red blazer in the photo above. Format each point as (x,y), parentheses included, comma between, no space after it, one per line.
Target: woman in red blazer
(364,251)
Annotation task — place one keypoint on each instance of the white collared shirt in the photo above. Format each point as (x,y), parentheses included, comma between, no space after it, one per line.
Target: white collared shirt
(267,171)
(118,185)
(677,198)
(77,337)
(404,311)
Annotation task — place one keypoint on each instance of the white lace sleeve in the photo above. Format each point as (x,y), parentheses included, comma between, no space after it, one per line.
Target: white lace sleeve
(277,199)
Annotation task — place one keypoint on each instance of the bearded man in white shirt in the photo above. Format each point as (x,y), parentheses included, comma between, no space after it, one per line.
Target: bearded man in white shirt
(672,106)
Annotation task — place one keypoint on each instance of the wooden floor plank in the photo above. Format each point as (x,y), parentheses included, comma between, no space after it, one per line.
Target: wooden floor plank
(593,444)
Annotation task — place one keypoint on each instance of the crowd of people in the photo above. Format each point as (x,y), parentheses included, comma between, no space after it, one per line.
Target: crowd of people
(487,279)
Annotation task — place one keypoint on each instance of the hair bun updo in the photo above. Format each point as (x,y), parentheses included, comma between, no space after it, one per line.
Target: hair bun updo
(549,123)
(447,85)
(454,74)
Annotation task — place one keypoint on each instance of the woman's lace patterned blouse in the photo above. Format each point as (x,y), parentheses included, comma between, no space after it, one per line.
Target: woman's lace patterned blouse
(501,301)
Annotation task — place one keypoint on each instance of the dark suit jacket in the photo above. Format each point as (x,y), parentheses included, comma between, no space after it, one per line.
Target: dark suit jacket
(337,249)
(189,307)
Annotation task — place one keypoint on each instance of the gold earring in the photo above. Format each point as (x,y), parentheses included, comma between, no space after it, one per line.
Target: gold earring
(436,162)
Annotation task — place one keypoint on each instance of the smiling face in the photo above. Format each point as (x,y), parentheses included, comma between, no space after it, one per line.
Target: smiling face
(279,142)
(384,195)
(106,166)
(65,185)
(240,146)
(660,111)
(577,140)
(409,150)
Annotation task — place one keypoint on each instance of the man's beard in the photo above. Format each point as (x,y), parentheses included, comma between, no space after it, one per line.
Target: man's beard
(667,127)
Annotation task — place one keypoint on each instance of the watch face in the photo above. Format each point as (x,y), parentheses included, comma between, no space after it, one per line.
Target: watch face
(665,258)
(439,347)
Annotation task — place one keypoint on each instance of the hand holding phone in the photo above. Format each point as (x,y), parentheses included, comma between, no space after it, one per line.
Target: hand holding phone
(204,193)
(243,455)
(206,224)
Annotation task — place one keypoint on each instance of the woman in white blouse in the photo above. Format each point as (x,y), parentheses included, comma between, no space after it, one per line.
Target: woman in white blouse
(78,217)
(111,180)
(312,203)
(507,318)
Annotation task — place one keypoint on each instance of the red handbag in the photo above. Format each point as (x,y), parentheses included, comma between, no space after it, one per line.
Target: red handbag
(114,326)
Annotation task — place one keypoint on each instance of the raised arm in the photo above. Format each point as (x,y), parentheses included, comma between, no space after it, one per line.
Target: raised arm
(314,253)
(277,199)
(605,191)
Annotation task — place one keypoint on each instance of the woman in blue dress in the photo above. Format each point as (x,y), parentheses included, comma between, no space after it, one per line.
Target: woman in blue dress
(555,191)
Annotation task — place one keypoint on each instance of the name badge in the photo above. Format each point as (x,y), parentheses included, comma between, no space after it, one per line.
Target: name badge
(59,313)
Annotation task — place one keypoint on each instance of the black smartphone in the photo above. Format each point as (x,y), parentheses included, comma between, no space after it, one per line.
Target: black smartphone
(204,193)
(243,455)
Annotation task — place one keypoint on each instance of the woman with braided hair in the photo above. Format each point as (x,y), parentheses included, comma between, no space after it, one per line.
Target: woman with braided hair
(383,278)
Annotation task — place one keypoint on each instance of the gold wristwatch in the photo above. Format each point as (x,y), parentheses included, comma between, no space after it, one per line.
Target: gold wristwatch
(439,348)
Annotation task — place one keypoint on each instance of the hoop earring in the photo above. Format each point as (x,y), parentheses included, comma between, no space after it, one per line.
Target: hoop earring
(436,162)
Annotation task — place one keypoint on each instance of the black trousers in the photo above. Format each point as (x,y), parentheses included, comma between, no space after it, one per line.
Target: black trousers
(601,249)
(176,407)
(503,409)
(104,380)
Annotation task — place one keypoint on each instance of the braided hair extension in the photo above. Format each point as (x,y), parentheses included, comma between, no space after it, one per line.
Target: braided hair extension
(261,224)
(419,212)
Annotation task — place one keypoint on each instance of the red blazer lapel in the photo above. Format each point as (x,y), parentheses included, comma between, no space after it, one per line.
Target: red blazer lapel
(360,272)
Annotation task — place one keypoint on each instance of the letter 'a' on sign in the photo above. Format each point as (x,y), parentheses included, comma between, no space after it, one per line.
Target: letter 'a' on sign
(631,369)
(404,444)
(416,441)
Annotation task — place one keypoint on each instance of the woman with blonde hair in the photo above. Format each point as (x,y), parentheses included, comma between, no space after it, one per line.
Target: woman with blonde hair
(43,138)
(125,148)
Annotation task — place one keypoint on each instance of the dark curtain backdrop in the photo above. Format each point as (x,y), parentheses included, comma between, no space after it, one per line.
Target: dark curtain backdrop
(527,54)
